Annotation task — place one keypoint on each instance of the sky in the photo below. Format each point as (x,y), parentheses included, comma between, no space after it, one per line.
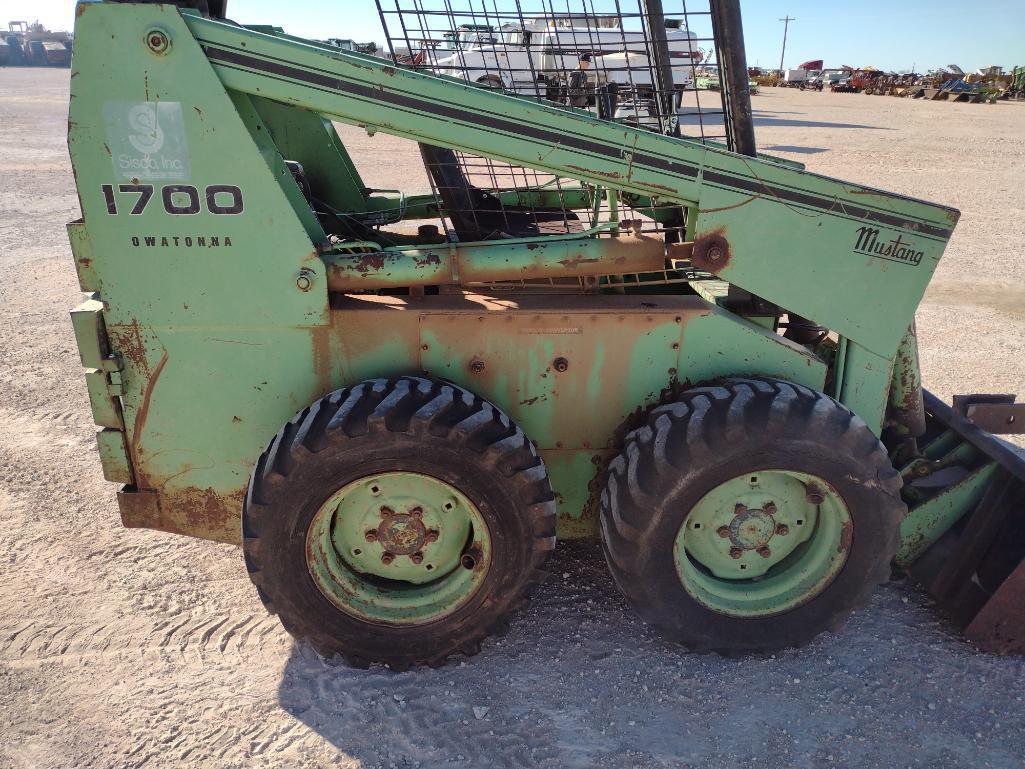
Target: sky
(887,34)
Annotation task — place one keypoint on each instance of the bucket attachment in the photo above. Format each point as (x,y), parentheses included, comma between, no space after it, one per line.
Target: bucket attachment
(964,536)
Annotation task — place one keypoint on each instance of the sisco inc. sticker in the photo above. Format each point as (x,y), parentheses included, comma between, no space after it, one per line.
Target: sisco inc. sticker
(147,140)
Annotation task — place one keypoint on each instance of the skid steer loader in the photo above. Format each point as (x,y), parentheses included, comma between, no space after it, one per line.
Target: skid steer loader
(590,327)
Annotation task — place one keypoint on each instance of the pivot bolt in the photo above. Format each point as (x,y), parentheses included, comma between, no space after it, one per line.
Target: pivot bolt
(715,253)
(764,551)
(304,281)
(814,495)
(157,41)
(476,366)
(782,529)
(560,364)
(371,535)
(736,552)
(417,558)
(723,531)
(387,558)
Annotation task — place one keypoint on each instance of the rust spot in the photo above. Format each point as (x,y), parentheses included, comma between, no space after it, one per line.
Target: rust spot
(712,251)
(846,536)
(593,172)
(389,71)
(366,263)
(141,414)
(130,346)
(193,511)
(430,259)
(577,261)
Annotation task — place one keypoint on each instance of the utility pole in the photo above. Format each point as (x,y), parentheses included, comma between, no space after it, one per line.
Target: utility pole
(786,25)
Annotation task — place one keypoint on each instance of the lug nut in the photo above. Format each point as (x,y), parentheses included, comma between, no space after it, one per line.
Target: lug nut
(770,508)
(736,552)
(432,536)
(740,508)
(417,557)
(371,535)
(782,529)
(387,558)
(764,551)
(723,531)
(417,512)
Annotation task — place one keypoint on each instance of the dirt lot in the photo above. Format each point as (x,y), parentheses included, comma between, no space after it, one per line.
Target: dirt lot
(134,648)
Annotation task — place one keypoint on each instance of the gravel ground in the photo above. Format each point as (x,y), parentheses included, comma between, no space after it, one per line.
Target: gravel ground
(135,648)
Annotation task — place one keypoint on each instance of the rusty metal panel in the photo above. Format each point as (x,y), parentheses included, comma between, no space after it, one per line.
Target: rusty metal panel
(113,456)
(1000,624)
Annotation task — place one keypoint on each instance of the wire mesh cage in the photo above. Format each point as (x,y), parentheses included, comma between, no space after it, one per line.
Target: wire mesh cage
(647,64)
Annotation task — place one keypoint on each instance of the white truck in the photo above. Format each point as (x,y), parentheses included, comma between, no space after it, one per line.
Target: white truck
(522,58)
(795,77)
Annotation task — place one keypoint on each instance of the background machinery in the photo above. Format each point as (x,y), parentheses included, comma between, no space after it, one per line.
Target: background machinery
(595,325)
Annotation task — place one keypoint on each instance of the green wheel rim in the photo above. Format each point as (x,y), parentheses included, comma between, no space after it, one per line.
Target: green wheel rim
(398,548)
(763,543)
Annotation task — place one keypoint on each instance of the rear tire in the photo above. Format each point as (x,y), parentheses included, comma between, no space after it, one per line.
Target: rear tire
(762,475)
(370,462)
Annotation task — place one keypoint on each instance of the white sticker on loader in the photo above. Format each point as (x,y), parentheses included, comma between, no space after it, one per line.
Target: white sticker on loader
(147,140)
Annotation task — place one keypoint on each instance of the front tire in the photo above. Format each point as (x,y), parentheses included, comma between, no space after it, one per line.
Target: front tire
(400,522)
(750,516)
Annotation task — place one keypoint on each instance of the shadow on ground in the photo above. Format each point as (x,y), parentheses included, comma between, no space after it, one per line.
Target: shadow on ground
(579,682)
(794,148)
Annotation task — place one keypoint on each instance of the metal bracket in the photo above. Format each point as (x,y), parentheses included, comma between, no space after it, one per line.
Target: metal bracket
(996,414)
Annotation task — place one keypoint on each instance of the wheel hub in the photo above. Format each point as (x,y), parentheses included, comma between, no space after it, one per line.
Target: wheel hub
(398,547)
(751,529)
(761,542)
(402,533)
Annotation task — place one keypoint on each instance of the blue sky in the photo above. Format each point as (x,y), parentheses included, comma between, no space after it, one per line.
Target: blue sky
(888,34)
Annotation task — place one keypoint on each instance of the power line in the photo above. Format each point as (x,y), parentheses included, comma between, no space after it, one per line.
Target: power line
(786,26)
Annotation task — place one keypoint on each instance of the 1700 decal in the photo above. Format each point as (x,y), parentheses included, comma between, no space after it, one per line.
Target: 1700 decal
(178,199)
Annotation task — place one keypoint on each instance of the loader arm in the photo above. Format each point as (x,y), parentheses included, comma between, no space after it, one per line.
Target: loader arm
(886,244)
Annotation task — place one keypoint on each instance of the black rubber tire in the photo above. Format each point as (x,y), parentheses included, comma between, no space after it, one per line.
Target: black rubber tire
(715,433)
(406,424)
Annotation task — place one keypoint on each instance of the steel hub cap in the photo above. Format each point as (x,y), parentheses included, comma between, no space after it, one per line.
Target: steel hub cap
(398,548)
(763,543)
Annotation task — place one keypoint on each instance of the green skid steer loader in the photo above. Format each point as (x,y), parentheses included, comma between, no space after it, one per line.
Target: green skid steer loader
(396,403)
